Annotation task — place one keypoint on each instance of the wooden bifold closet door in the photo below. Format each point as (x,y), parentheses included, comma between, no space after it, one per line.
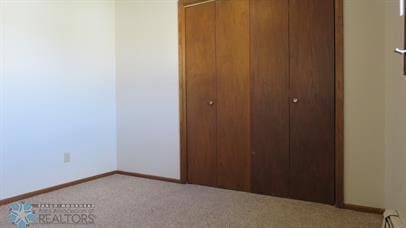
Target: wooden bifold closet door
(312,129)
(293,98)
(217,87)
(260,96)
(270,96)
(201,92)
(233,83)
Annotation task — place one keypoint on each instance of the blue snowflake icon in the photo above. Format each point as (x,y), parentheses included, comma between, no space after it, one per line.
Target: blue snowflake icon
(21,214)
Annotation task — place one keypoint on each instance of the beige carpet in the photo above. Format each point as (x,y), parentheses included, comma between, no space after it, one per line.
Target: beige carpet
(122,201)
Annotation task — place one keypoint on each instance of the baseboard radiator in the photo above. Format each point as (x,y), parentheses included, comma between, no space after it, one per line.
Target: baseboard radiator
(392,220)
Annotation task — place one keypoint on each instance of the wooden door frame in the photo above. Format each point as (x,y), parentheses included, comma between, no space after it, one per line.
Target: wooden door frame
(339,96)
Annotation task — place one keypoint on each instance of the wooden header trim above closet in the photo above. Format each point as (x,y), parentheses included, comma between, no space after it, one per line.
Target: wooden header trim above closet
(192,3)
(189,3)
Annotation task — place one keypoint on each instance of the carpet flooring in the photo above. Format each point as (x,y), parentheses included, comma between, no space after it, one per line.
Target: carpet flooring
(127,202)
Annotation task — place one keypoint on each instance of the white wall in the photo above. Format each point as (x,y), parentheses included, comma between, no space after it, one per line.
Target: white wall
(364,102)
(395,111)
(375,105)
(1,99)
(147,87)
(59,92)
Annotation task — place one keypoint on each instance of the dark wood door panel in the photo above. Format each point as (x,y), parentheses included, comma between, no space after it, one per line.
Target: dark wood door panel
(270,96)
(233,78)
(200,89)
(312,116)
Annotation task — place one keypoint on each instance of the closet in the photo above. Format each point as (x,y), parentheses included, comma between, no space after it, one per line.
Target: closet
(260,96)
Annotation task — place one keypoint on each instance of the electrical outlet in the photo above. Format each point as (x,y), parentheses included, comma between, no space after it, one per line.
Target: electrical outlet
(66,158)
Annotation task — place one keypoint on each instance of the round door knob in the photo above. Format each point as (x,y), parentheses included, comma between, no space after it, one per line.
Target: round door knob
(211,102)
(295,100)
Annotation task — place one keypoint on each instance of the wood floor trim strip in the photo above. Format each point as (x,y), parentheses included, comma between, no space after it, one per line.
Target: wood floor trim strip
(84,180)
(80,181)
(365,209)
(53,188)
(151,177)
